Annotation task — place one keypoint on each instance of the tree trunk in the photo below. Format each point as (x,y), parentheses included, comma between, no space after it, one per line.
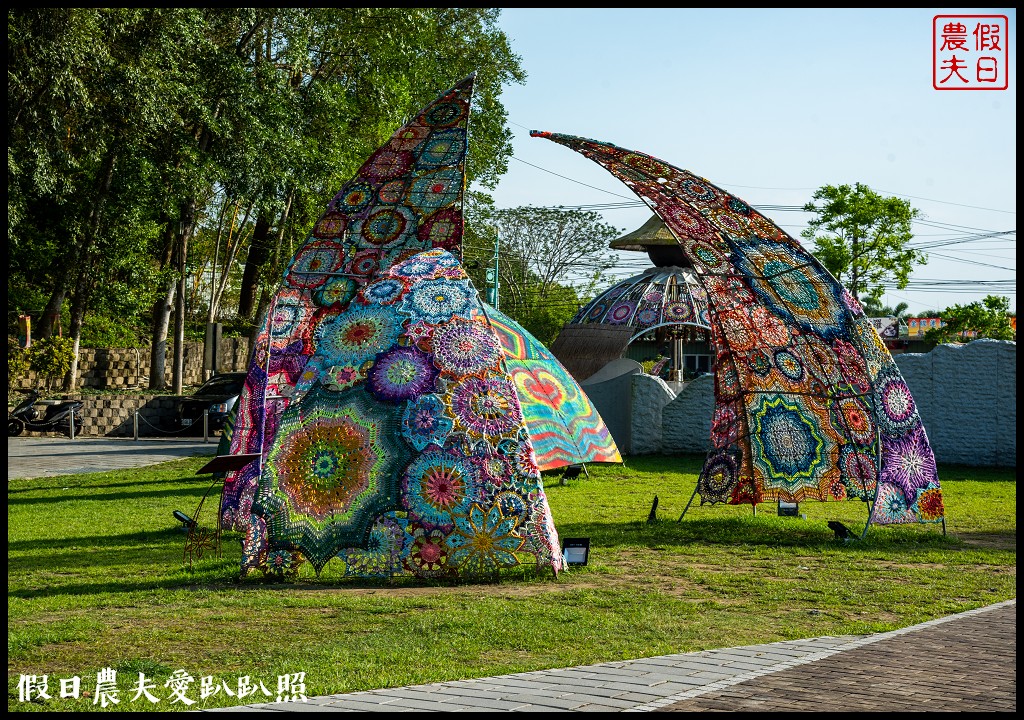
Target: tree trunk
(188,219)
(281,224)
(158,349)
(259,253)
(211,310)
(264,306)
(77,316)
(162,314)
(86,277)
(50,320)
(178,366)
(230,252)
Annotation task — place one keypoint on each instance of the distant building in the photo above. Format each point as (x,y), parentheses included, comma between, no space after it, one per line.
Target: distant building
(918,326)
(659,317)
(893,332)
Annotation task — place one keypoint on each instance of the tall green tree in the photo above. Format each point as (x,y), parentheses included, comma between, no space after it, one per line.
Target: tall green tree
(986,318)
(862,238)
(129,129)
(87,90)
(548,258)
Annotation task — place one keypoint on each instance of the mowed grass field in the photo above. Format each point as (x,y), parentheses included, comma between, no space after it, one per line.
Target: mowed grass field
(97,581)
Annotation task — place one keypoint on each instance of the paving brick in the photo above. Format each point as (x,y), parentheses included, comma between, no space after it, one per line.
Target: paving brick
(953,666)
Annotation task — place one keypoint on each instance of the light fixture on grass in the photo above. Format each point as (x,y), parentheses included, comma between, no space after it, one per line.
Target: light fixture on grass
(788,509)
(571,472)
(185,520)
(576,550)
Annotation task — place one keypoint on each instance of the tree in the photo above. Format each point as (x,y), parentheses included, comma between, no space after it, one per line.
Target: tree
(548,258)
(989,318)
(51,357)
(131,129)
(862,238)
(17,362)
(874,308)
(88,89)
(545,320)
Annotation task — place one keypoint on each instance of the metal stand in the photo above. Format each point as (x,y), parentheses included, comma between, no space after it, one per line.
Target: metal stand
(753,506)
(200,540)
(688,504)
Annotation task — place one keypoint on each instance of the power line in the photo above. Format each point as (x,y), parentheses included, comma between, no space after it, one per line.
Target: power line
(946,202)
(564,177)
(725,185)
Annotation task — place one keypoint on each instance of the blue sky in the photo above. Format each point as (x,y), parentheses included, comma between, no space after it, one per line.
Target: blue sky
(771,105)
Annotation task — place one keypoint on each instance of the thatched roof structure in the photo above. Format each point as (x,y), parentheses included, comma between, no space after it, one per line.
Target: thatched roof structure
(583,349)
(654,238)
(652,232)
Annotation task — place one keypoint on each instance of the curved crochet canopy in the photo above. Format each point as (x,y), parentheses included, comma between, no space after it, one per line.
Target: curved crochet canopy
(809,404)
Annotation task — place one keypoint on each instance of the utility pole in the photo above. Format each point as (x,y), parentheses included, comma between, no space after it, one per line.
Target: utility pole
(492,279)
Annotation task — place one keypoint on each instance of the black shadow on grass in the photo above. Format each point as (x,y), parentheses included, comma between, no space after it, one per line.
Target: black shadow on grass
(115,587)
(77,496)
(772,532)
(90,542)
(212,578)
(84,482)
(151,550)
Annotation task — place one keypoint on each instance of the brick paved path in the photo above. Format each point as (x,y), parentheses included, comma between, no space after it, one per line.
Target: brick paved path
(962,662)
(961,666)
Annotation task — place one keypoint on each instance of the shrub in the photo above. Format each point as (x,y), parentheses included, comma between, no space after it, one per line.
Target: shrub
(51,357)
(102,331)
(17,361)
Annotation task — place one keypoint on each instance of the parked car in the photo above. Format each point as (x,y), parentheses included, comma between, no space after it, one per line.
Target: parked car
(217,396)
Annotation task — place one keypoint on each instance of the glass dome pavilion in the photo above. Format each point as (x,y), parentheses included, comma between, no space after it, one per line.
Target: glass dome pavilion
(665,309)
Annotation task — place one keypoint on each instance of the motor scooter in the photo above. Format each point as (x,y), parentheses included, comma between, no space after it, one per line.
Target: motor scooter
(56,415)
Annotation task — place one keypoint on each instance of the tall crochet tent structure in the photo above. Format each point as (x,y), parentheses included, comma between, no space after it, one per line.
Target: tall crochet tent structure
(809,403)
(381,405)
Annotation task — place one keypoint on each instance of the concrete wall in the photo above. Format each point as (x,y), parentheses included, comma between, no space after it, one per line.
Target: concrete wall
(121,368)
(966,395)
(127,371)
(115,415)
(650,396)
(687,419)
(611,391)
(967,398)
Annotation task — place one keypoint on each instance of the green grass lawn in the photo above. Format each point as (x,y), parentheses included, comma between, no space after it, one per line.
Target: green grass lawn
(96,580)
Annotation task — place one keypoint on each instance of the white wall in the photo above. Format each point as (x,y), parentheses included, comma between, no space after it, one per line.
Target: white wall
(966,396)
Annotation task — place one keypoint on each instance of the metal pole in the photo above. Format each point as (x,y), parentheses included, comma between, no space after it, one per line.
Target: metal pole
(688,505)
(206,426)
(72,434)
(497,282)
(136,423)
